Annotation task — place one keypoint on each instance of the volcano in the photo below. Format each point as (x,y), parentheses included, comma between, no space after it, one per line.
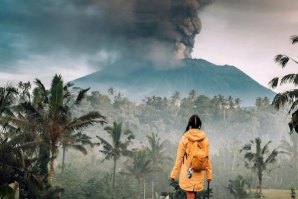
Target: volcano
(139,79)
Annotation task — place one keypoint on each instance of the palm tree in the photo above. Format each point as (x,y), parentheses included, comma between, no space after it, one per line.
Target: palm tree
(58,114)
(192,95)
(290,96)
(237,187)
(259,159)
(51,117)
(18,160)
(176,99)
(157,154)
(237,102)
(156,150)
(117,147)
(8,96)
(141,165)
(74,141)
(290,148)
(24,91)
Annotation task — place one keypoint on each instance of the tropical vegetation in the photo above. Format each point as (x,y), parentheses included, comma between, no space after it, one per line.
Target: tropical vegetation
(68,142)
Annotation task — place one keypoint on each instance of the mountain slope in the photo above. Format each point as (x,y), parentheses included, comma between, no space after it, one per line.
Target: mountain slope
(138,79)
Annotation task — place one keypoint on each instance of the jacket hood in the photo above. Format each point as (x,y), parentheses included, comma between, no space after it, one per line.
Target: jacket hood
(195,135)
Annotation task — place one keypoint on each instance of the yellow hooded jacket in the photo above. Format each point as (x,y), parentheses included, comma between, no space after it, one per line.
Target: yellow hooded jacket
(196,182)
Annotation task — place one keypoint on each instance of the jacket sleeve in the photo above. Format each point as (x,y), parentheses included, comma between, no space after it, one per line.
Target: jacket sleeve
(209,168)
(179,159)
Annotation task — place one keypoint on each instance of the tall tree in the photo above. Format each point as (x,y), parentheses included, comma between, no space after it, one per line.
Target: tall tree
(259,158)
(141,165)
(290,96)
(156,150)
(18,147)
(116,148)
(8,96)
(290,148)
(51,116)
(157,154)
(75,141)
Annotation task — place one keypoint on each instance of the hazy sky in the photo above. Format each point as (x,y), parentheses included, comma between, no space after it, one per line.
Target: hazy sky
(39,39)
(248,34)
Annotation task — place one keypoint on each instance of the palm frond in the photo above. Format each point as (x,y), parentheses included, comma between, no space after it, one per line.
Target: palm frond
(246,147)
(249,156)
(294,39)
(43,90)
(272,157)
(129,134)
(83,139)
(20,123)
(80,148)
(81,95)
(265,149)
(281,99)
(21,157)
(290,78)
(274,82)
(29,145)
(11,90)
(294,106)
(85,121)
(104,142)
(32,114)
(282,60)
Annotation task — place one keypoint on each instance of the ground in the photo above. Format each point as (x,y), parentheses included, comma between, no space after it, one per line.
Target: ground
(278,194)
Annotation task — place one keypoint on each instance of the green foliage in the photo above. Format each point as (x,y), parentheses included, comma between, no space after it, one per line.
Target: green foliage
(31,132)
(6,192)
(293,193)
(72,183)
(26,123)
(290,96)
(238,187)
(259,159)
(93,187)
(157,151)
(117,147)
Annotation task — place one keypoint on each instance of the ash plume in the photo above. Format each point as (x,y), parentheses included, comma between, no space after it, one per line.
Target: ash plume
(153,29)
(174,23)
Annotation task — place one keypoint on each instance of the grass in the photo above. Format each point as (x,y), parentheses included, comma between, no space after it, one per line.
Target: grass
(278,194)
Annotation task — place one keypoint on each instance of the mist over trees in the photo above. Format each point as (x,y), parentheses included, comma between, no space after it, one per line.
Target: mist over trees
(68,142)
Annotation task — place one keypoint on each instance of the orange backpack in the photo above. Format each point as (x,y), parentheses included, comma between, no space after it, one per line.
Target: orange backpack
(197,156)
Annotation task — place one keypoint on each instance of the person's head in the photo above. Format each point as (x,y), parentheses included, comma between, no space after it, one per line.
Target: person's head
(194,122)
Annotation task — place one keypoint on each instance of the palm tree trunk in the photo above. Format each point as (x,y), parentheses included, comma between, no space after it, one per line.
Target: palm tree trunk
(63,159)
(152,189)
(114,173)
(234,161)
(295,157)
(139,188)
(260,183)
(224,112)
(144,189)
(51,170)
(52,163)
(261,194)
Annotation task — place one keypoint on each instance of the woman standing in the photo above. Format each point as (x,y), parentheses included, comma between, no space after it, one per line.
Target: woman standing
(189,180)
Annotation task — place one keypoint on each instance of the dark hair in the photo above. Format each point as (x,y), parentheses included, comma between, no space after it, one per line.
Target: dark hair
(194,122)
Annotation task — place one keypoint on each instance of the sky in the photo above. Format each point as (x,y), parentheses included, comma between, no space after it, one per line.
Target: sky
(41,38)
(248,34)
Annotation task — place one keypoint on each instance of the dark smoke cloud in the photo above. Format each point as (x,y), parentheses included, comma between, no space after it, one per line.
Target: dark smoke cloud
(156,29)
